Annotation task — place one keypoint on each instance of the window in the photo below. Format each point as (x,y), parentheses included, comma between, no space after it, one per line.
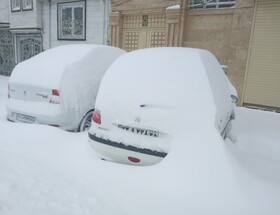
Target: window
(29,46)
(71,21)
(27,4)
(210,4)
(17,5)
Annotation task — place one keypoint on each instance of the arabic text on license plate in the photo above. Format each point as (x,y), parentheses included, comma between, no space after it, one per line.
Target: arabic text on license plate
(24,118)
(140,131)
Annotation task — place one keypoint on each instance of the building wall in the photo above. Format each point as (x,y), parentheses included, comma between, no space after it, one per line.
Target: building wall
(4,11)
(209,29)
(147,5)
(240,43)
(96,22)
(226,33)
(26,19)
(155,11)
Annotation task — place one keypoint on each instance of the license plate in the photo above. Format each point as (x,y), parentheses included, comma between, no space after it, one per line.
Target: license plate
(139,131)
(25,118)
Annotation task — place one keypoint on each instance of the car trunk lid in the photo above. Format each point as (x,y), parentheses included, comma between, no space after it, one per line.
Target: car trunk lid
(32,93)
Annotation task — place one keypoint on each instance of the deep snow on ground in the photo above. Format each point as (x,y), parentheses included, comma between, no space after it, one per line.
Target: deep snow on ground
(45,170)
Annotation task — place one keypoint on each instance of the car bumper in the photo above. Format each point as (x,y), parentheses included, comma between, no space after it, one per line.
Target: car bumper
(120,153)
(45,114)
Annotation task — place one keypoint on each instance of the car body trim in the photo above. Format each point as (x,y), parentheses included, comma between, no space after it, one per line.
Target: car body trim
(126,147)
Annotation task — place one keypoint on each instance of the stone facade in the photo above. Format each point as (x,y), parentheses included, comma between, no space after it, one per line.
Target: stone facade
(226,33)
(240,42)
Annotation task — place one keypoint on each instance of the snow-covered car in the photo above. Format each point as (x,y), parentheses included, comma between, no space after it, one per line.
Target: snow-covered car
(58,87)
(148,95)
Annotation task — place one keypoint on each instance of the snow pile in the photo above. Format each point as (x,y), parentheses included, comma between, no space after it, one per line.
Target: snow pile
(255,142)
(173,7)
(81,79)
(30,187)
(47,171)
(264,143)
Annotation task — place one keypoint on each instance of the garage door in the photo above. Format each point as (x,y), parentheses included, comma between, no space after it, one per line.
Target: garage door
(143,31)
(262,86)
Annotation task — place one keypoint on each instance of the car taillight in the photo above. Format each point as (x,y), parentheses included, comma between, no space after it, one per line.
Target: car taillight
(55,92)
(96,116)
(55,99)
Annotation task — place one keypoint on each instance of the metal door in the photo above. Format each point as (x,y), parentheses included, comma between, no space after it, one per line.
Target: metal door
(262,84)
(143,31)
(29,47)
(7,54)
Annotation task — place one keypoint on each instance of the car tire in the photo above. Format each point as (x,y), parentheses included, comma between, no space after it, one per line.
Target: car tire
(86,121)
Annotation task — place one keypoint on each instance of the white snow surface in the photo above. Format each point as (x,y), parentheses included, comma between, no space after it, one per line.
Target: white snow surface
(81,83)
(176,6)
(45,170)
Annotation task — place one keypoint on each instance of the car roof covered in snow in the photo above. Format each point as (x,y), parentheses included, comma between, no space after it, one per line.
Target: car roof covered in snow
(187,78)
(47,68)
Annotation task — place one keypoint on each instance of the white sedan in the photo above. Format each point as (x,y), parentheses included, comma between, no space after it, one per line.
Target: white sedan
(148,95)
(58,87)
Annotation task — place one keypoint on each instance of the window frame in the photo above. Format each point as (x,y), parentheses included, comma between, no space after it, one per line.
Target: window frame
(28,7)
(211,4)
(72,5)
(13,8)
